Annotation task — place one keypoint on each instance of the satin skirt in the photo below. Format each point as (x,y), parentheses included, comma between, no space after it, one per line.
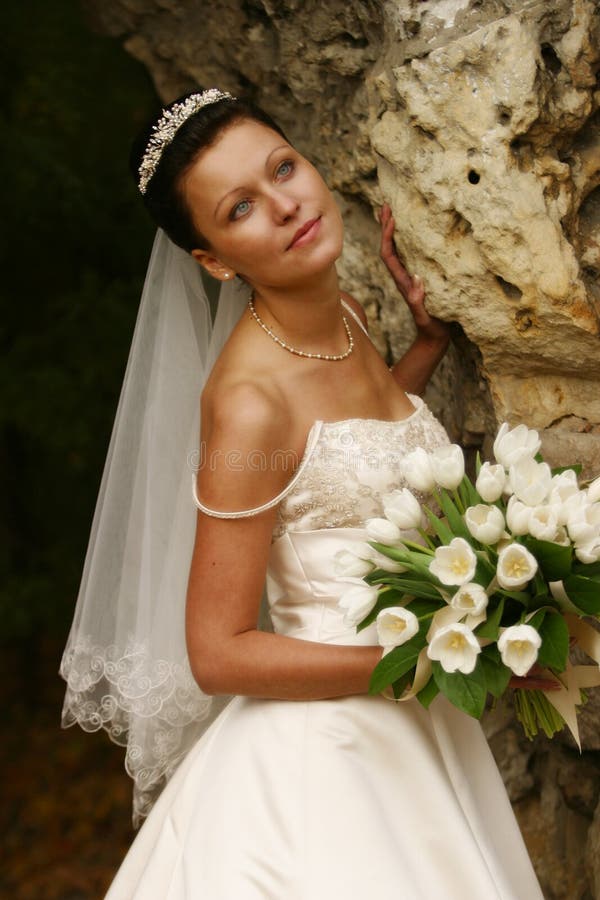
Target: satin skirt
(350,798)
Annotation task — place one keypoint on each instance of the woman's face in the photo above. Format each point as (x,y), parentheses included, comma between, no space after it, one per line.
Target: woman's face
(263,208)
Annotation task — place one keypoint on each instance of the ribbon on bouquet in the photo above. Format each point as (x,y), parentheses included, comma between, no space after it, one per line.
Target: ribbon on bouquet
(567,698)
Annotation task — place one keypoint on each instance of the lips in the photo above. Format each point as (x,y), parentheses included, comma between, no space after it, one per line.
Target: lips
(306,233)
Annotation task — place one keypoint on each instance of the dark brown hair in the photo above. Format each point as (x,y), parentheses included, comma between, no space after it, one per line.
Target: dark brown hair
(164,198)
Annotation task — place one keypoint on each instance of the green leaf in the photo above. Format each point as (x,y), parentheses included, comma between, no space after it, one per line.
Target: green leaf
(520,596)
(485,571)
(577,468)
(397,662)
(554,560)
(455,519)
(427,694)
(399,686)
(467,692)
(418,588)
(588,570)
(537,618)
(471,497)
(440,528)
(497,675)
(584,593)
(422,606)
(489,628)
(555,642)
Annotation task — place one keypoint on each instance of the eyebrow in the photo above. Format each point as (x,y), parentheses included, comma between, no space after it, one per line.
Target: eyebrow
(241,187)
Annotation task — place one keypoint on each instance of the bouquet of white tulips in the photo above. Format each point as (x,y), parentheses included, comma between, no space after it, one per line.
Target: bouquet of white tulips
(498,579)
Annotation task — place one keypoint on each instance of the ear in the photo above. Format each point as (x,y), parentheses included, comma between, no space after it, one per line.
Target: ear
(212,265)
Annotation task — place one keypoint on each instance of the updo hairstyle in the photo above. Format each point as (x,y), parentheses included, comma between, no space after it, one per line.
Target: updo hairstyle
(164,197)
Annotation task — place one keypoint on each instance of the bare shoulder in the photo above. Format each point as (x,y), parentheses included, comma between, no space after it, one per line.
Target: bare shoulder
(245,426)
(356,307)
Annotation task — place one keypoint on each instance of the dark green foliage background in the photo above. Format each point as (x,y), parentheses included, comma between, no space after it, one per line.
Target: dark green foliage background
(74,242)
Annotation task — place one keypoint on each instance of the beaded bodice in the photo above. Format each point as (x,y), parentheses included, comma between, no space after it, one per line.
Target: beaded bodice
(349,466)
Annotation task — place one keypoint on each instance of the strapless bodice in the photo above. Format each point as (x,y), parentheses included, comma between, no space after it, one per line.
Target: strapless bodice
(347,469)
(348,466)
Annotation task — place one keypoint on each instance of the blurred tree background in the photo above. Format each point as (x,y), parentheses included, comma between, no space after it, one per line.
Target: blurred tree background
(74,243)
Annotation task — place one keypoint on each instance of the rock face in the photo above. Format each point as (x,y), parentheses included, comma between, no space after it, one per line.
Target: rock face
(480,123)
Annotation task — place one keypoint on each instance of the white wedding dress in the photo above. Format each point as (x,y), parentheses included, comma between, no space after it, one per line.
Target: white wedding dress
(347,798)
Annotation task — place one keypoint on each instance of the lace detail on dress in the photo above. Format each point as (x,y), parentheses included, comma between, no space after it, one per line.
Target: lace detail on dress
(107,686)
(354,464)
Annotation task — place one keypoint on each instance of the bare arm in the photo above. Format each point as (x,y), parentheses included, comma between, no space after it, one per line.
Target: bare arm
(418,364)
(228,655)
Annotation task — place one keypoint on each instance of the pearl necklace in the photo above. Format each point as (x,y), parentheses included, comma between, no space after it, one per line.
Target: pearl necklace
(328,356)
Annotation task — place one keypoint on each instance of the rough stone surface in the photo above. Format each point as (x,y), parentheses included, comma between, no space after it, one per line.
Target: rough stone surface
(480,124)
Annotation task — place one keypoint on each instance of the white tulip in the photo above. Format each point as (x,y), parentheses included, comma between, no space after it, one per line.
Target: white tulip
(517,516)
(448,466)
(490,482)
(593,491)
(572,507)
(589,552)
(530,481)
(516,566)
(395,626)
(456,647)
(403,509)
(381,561)
(416,469)
(455,563)
(564,485)
(470,598)
(518,646)
(583,524)
(383,531)
(357,602)
(486,523)
(350,565)
(512,445)
(543,523)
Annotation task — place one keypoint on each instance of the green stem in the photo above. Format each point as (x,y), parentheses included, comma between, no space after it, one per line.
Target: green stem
(413,546)
(426,538)
(458,502)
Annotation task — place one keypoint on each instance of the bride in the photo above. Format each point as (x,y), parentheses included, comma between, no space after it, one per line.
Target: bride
(305,787)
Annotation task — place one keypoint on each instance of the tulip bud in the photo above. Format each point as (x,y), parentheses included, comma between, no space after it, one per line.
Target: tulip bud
(416,469)
(530,481)
(512,445)
(518,646)
(357,603)
(517,516)
(486,523)
(403,509)
(490,482)
(448,466)
(383,531)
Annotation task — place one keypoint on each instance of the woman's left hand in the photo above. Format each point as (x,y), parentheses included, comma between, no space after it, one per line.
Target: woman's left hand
(410,286)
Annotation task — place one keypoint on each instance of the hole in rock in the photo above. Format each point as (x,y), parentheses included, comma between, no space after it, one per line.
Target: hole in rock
(550,59)
(504,115)
(510,290)
(473,176)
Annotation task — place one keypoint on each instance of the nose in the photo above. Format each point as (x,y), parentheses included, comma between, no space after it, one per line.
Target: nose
(284,205)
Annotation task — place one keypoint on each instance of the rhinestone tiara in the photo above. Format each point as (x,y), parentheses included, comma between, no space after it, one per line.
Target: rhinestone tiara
(167,127)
